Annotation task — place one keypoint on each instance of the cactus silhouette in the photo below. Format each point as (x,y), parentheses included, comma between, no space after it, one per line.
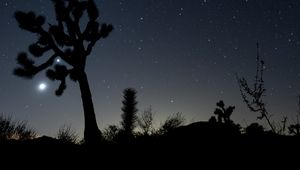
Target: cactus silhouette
(68,40)
(223,113)
(129,109)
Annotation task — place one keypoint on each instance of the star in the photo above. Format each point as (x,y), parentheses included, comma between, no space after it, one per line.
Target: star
(42,86)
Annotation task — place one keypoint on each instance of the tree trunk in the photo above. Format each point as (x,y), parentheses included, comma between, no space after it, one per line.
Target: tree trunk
(92,134)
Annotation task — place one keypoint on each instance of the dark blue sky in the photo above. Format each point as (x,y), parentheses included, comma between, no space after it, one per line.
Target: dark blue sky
(181,56)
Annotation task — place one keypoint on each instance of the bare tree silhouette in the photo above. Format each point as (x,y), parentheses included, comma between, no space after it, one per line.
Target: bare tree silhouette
(145,121)
(71,42)
(253,97)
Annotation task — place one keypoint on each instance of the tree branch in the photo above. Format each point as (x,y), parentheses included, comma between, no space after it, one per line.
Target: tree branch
(53,46)
(30,70)
(91,45)
(45,65)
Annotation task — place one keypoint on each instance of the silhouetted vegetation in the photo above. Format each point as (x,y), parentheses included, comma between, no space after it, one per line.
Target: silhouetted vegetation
(294,129)
(66,135)
(172,122)
(10,129)
(129,117)
(281,127)
(145,121)
(253,97)
(213,137)
(254,129)
(224,113)
(70,40)
(110,133)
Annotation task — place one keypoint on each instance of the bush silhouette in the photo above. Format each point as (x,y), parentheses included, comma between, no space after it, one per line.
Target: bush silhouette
(254,129)
(66,135)
(172,122)
(71,42)
(14,130)
(110,133)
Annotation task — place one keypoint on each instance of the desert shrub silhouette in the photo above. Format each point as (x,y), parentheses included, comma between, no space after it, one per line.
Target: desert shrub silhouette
(254,129)
(10,129)
(172,122)
(66,135)
(111,133)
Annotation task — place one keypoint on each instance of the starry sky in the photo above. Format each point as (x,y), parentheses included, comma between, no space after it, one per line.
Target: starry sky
(181,56)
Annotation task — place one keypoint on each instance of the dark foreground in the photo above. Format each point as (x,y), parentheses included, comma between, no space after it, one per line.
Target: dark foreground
(184,147)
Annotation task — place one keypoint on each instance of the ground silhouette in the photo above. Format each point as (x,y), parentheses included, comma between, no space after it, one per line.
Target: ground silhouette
(184,146)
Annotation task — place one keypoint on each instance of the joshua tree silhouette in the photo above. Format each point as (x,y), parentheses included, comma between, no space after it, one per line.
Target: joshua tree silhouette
(223,113)
(72,43)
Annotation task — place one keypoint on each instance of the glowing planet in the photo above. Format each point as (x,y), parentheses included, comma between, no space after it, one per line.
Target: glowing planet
(42,86)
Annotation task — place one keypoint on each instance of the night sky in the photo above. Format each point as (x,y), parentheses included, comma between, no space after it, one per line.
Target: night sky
(180,55)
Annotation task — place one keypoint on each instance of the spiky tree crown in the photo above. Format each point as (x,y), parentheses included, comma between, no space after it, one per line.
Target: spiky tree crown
(65,39)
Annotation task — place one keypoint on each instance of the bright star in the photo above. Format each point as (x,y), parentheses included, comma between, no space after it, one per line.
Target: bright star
(42,86)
